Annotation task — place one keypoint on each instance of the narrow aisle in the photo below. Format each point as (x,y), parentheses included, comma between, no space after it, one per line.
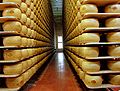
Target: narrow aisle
(57,77)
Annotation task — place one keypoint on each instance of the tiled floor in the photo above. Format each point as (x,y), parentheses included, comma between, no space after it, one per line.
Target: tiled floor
(57,77)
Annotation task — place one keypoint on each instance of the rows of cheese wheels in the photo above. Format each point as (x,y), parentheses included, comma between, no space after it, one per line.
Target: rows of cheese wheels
(26,23)
(21,54)
(22,79)
(33,43)
(20,67)
(74,25)
(87,66)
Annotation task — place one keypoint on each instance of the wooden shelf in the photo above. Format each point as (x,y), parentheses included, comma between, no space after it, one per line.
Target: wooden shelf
(100,15)
(10,76)
(103,58)
(102,86)
(103,72)
(100,2)
(9,61)
(9,33)
(7,5)
(101,30)
(94,44)
(10,89)
(7,18)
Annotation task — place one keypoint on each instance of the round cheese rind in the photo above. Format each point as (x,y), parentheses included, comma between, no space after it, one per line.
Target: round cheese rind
(12,12)
(114,79)
(23,7)
(16,26)
(12,41)
(12,69)
(15,82)
(93,81)
(112,22)
(113,37)
(15,1)
(12,55)
(114,51)
(91,66)
(89,23)
(23,18)
(114,65)
(115,8)
(88,8)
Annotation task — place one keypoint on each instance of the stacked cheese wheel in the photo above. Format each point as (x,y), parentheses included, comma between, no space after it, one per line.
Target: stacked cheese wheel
(74,37)
(113,37)
(33,41)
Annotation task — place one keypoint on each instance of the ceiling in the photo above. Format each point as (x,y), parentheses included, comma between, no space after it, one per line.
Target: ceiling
(57,10)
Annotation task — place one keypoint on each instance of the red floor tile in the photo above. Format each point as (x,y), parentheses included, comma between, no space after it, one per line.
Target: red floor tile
(57,77)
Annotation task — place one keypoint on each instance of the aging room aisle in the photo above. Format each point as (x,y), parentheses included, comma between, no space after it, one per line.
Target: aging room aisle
(57,76)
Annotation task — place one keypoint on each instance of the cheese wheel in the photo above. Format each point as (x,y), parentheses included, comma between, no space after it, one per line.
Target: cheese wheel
(32,24)
(81,74)
(28,22)
(114,51)
(35,2)
(15,1)
(23,7)
(31,6)
(88,8)
(23,18)
(89,52)
(28,2)
(32,15)
(13,69)
(115,8)
(113,37)
(29,62)
(91,66)
(32,34)
(29,43)
(12,12)
(112,22)
(25,53)
(28,12)
(114,65)
(24,42)
(26,76)
(25,65)
(85,38)
(114,79)
(89,23)
(93,81)
(16,26)
(24,30)
(15,82)
(12,41)
(12,55)
(29,32)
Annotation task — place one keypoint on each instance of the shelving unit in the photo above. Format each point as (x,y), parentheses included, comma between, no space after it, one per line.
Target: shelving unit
(72,40)
(36,45)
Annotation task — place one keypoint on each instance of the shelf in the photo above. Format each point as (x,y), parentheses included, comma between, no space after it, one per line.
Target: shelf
(7,5)
(102,86)
(100,15)
(7,18)
(9,61)
(100,2)
(103,72)
(10,89)
(9,33)
(10,76)
(103,58)
(95,44)
(101,30)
